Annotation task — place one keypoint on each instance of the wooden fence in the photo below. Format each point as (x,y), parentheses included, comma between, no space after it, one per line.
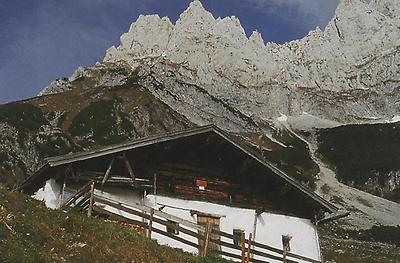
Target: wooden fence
(246,251)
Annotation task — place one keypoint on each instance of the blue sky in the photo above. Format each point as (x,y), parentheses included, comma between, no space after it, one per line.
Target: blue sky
(41,40)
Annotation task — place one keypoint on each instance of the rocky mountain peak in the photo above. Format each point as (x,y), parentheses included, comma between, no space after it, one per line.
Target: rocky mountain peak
(340,73)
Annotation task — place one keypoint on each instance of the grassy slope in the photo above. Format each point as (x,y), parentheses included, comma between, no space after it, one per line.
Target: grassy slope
(31,233)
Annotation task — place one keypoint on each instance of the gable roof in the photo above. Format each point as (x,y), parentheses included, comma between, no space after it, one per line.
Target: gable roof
(134,144)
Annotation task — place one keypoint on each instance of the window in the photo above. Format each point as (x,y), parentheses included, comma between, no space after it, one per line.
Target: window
(201,184)
(173,230)
(237,237)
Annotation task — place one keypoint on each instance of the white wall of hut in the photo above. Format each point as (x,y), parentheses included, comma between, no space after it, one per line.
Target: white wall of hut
(269,230)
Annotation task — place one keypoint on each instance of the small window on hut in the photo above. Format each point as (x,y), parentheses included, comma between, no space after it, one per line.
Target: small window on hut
(173,230)
(201,184)
(237,236)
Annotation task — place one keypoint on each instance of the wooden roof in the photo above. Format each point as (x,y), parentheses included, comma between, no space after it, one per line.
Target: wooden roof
(134,144)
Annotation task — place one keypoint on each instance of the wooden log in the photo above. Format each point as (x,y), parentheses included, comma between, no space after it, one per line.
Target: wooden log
(89,213)
(108,172)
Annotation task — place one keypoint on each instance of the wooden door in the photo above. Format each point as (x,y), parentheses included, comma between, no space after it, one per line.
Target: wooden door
(214,223)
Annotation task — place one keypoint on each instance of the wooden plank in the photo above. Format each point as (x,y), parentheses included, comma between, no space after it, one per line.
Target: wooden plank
(177,238)
(280,251)
(84,199)
(226,254)
(78,194)
(156,212)
(107,174)
(266,255)
(117,217)
(207,238)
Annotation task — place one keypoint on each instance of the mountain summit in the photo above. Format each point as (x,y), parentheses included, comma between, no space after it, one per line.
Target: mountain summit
(341,73)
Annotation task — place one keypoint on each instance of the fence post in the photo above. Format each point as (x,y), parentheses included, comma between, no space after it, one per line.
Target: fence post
(207,238)
(89,213)
(243,244)
(248,248)
(150,223)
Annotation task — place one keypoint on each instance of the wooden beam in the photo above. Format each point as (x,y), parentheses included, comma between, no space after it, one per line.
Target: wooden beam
(126,208)
(129,167)
(108,172)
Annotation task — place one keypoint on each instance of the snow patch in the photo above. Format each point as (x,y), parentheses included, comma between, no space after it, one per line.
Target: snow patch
(50,194)
(307,122)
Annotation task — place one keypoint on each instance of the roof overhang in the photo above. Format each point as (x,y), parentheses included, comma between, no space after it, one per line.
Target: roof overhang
(334,211)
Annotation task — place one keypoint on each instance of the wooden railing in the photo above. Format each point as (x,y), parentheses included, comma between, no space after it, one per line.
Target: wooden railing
(247,251)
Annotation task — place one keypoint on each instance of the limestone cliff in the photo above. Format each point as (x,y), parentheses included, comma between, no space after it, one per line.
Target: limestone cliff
(342,73)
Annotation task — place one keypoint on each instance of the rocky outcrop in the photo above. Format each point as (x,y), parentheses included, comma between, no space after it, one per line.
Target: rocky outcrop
(340,73)
(57,86)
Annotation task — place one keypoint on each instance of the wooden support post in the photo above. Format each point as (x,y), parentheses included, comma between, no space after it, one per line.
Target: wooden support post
(150,223)
(129,167)
(248,248)
(107,174)
(284,255)
(255,225)
(207,238)
(90,209)
(155,189)
(286,246)
(62,194)
(243,245)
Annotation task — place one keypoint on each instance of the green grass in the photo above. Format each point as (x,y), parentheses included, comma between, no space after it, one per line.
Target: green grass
(31,233)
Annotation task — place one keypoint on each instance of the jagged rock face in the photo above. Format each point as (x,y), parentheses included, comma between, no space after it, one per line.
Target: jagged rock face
(339,74)
(57,86)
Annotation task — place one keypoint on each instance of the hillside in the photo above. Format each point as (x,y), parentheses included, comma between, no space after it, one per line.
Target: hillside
(29,232)
(321,108)
(103,114)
